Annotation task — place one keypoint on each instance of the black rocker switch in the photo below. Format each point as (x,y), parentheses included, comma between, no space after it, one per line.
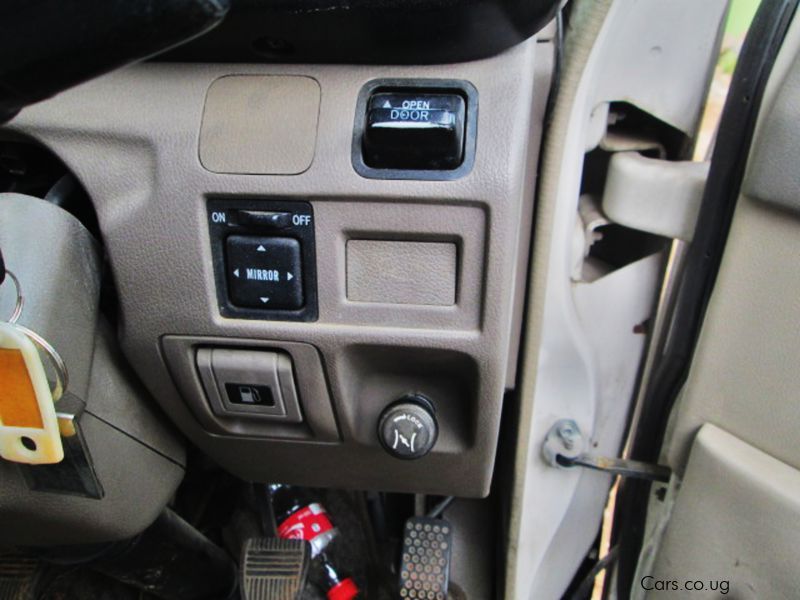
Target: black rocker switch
(264,219)
(264,272)
(414,130)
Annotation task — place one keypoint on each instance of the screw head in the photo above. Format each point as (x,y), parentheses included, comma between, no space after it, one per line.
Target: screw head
(569,434)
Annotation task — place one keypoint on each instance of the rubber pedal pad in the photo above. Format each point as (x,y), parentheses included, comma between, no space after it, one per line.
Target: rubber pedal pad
(425,562)
(18,576)
(274,569)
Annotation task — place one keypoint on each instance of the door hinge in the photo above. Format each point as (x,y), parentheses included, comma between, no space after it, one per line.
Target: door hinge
(565,447)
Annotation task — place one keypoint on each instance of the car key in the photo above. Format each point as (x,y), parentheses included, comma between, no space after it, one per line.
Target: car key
(29,430)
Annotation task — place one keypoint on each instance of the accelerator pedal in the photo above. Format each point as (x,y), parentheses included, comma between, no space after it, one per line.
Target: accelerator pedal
(425,563)
(274,569)
(18,576)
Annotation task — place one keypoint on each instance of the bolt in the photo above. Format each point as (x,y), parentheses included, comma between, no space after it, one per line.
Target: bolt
(569,434)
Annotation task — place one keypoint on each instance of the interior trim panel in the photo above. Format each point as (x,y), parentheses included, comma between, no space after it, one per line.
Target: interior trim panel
(351,358)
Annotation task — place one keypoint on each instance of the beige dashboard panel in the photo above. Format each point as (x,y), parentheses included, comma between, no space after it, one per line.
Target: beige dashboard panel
(260,124)
(132,139)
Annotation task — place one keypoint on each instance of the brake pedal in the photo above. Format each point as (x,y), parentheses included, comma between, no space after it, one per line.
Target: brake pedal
(425,564)
(274,569)
(18,575)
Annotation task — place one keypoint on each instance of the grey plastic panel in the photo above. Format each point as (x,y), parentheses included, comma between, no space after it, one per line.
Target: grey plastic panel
(138,484)
(151,192)
(772,168)
(137,455)
(117,397)
(736,520)
(314,418)
(138,458)
(58,264)
(222,367)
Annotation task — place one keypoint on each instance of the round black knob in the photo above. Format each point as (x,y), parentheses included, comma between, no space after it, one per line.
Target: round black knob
(407,428)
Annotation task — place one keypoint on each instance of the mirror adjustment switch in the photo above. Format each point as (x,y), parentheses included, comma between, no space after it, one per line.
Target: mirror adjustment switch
(264,272)
(414,130)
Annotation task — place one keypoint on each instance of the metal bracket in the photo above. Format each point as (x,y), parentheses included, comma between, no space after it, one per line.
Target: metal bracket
(565,447)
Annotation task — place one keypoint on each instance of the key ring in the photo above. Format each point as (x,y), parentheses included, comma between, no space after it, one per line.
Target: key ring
(20,299)
(59,366)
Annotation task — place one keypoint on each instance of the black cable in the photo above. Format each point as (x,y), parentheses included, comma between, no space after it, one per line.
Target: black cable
(441,507)
(381,576)
(62,190)
(584,590)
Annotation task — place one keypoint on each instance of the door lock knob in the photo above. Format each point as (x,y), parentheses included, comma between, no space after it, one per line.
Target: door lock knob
(407,428)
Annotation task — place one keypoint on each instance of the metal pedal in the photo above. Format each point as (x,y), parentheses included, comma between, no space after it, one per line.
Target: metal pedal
(274,569)
(18,575)
(425,564)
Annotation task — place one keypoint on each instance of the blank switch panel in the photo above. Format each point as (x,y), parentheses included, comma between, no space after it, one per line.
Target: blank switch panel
(402,272)
(260,124)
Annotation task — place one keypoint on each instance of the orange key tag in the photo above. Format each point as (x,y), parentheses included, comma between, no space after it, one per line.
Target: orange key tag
(28,424)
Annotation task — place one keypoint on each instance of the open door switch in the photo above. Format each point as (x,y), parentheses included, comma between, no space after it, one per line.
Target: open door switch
(409,129)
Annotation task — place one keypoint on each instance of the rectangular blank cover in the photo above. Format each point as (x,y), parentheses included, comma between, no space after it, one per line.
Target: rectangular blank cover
(422,273)
(260,124)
